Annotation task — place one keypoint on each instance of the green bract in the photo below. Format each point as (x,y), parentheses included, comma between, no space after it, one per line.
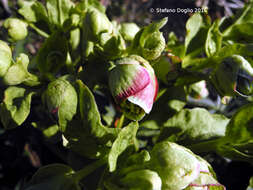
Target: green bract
(17,29)
(128,30)
(176,165)
(234,76)
(5,57)
(60,99)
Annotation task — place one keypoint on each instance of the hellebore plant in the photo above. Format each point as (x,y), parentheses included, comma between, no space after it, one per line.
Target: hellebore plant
(91,90)
(134,86)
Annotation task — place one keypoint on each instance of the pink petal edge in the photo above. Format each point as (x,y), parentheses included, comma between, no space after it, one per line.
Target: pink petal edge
(146,97)
(140,82)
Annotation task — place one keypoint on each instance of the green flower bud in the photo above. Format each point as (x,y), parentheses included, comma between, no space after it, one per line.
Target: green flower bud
(149,41)
(4,47)
(128,31)
(141,179)
(206,178)
(233,76)
(176,165)
(17,73)
(96,23)
(111,46)
(5,57)
(60,99)
(17,29)
(152,45)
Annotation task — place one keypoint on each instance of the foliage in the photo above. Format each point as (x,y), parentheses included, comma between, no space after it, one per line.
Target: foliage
(84,55)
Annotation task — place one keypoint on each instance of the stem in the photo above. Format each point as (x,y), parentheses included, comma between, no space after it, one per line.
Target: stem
(207,146)
(121,121)
(79,175)
(39,31)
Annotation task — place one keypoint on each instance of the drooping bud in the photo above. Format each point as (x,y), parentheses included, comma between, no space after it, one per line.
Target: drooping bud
(17,29)
(233,76)
(134,86)
(60,99)
(206,178)
(176,165)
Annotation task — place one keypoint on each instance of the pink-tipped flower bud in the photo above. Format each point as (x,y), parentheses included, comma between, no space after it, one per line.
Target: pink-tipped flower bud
(134,86)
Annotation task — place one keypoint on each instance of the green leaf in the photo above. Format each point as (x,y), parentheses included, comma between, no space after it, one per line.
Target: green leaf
(213,40)
(79,140)
(171,101)
(33,11)
(58,11)
(53,53)
(85,134)
(242,27)
(125,139)
(239,129)
(90,114)
(15,107)
(196,32)
(193,126)
(53,177)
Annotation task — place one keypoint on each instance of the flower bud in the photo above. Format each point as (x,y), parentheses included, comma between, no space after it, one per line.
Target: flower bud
(142,179)
(60,99)
(152,45)
(149,41)
(176,165)
(17,29)
(96,23)
(134,86)
(17,73)
(128,31)
(205,179)
(234,76)
(5,57)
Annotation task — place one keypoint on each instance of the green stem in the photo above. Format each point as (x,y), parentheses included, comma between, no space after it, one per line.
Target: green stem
(39,31)
(79,175)
(208,146)
(121,121)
